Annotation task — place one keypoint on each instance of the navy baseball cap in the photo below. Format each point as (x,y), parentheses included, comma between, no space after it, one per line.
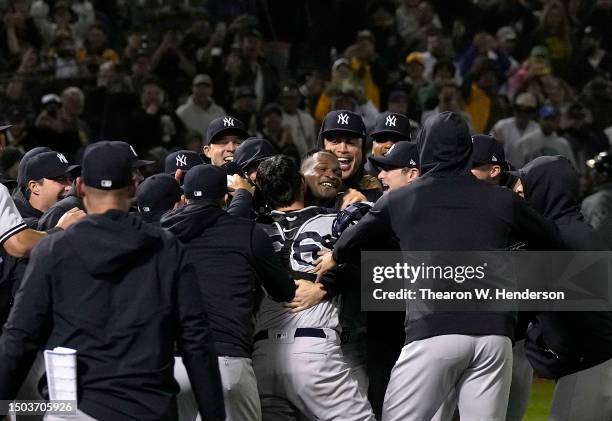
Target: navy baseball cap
(401,155)
(252,151)
(226,125)
(391,126)
(21,173)
(107,165)
(487,150)
(47,165)
(129,149)
(205,182)
(158,193)
(182,160)
(343,122)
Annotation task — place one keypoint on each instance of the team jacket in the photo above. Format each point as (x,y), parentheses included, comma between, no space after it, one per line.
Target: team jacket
(231,256)
(562,343)
(297,237)
(449,209)
(117,291)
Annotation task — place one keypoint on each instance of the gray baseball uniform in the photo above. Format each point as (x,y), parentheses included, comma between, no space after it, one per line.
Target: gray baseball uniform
(299,365)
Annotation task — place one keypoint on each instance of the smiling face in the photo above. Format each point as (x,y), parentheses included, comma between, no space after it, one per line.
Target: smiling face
(222,150)
(323,175)
(394,178)
(348,151)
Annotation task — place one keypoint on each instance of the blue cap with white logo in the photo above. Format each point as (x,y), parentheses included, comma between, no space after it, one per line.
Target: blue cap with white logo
(343,122)
(226,125)
(391,126)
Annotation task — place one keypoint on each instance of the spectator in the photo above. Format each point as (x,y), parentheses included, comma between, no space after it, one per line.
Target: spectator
(276,132)
(427,95)
(555,34)
(542,142)
(485,46)
(300,123)
(429,24)
(52,130)
(449,100)
(108,103)
(73,20)
(20,32)
(152,124)
(437,49)
(19,134)
(73,101)
(171,66)
(254,71)
(585,140)
(200,109)
(245,107)
(62,60)
(95,50)
(367,68)
(406,17)
(482,102)
(342,82)
(599,18)
(590,59)
(532,69)
(510,130)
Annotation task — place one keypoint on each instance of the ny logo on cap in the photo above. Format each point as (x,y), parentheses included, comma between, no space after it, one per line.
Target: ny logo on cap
(133,151)
(494,158)
(228,122)
(391,120)
(343,118)
(62,158)
(181,160)
(412,162)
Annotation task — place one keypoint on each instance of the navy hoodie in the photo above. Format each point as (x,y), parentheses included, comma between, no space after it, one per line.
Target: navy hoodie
(449,209)
(117,291)
(561,343)
(231,256)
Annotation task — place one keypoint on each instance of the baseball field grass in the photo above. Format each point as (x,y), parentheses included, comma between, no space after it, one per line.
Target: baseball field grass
(539,403)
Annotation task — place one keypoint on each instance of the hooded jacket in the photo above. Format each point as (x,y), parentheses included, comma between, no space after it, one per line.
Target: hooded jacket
(231,256)
(561,343)
(449,209)
(118,292)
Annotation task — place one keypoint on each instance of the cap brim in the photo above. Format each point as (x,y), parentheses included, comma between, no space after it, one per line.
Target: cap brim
(341,131)
(139,163)
(515,173)
(62,172)
(395,133)
(229,130)
(384,162)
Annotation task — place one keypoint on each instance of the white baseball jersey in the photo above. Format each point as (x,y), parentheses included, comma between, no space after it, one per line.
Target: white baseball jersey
(10,220)
(298,236)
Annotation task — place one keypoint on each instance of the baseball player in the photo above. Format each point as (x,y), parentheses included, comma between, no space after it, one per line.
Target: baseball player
(299,366)
(118,292)
(223,136)
(231,256)
(444,351)
(574,348)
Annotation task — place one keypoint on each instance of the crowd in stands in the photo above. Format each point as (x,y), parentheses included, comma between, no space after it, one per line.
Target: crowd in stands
(534,73)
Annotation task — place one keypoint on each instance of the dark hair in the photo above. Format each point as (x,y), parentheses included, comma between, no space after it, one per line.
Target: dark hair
(279,180)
